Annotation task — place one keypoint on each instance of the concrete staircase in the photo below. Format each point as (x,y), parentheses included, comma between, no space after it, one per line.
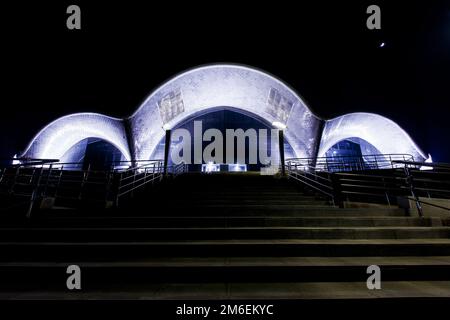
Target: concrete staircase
(225,236)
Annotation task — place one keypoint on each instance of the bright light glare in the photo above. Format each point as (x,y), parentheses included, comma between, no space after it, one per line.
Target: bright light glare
(236,167)
(429,160)
(15,162)
(279,125)
(210,167)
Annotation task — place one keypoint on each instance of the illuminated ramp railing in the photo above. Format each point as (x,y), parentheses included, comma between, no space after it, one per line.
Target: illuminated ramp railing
(21,183)
(319,181)
(353,163)
(50,183)
(411,182)
(426,182)
(407,180)
(131,179)
(141,174)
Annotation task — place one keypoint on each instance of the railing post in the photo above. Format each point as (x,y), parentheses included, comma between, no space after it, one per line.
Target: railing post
(166,151)
(48,178)
(281,147)
(288,168)
(35,193)
(145,175)
(135,170)
(11,190)
(59,180)
(84,181)
(153,172)
(336,189)
(109,179)
(119,185)
(410,184)
(386,192)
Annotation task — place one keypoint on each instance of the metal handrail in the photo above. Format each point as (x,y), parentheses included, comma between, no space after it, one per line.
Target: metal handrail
(408,183)
(429,204)
(353,162)
(137,177)
(405,186)
(311,179)
(437,165)
(38,178)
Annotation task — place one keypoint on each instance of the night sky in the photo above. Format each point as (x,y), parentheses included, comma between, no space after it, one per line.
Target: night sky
(325,52)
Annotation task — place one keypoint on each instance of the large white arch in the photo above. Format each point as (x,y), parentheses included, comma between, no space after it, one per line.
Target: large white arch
(384,134)
(203,90)
(223,85)
(54,140)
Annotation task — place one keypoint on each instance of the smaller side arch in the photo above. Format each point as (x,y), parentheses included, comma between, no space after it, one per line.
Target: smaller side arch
(382,133)
(53,141)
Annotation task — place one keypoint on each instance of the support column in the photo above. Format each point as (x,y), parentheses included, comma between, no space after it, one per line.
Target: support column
(281,147)
(166,151)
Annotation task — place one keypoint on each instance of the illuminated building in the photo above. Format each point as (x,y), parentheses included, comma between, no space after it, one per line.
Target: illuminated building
(203,90)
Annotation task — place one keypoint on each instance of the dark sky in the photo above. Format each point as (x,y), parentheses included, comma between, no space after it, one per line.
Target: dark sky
(324,51)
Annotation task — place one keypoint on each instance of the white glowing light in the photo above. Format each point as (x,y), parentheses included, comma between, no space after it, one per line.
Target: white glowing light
(210,167)
(382,45)
(236,167)
(14,162)
(279,125)
(428,160)
(269,170)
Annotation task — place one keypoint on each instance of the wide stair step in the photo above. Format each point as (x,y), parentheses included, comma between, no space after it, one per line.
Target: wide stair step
(99,251)
(274,270)
(226,221)
(224,236)
(238,233)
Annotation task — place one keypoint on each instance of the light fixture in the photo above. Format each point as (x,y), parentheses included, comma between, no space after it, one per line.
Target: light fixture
(279,125)
(210,167)
(429,160)
(237,167)
(15,161)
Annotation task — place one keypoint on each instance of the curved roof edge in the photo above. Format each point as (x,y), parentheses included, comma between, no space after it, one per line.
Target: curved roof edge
(367,126)
(122,146)
(356,122)
(222,65)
